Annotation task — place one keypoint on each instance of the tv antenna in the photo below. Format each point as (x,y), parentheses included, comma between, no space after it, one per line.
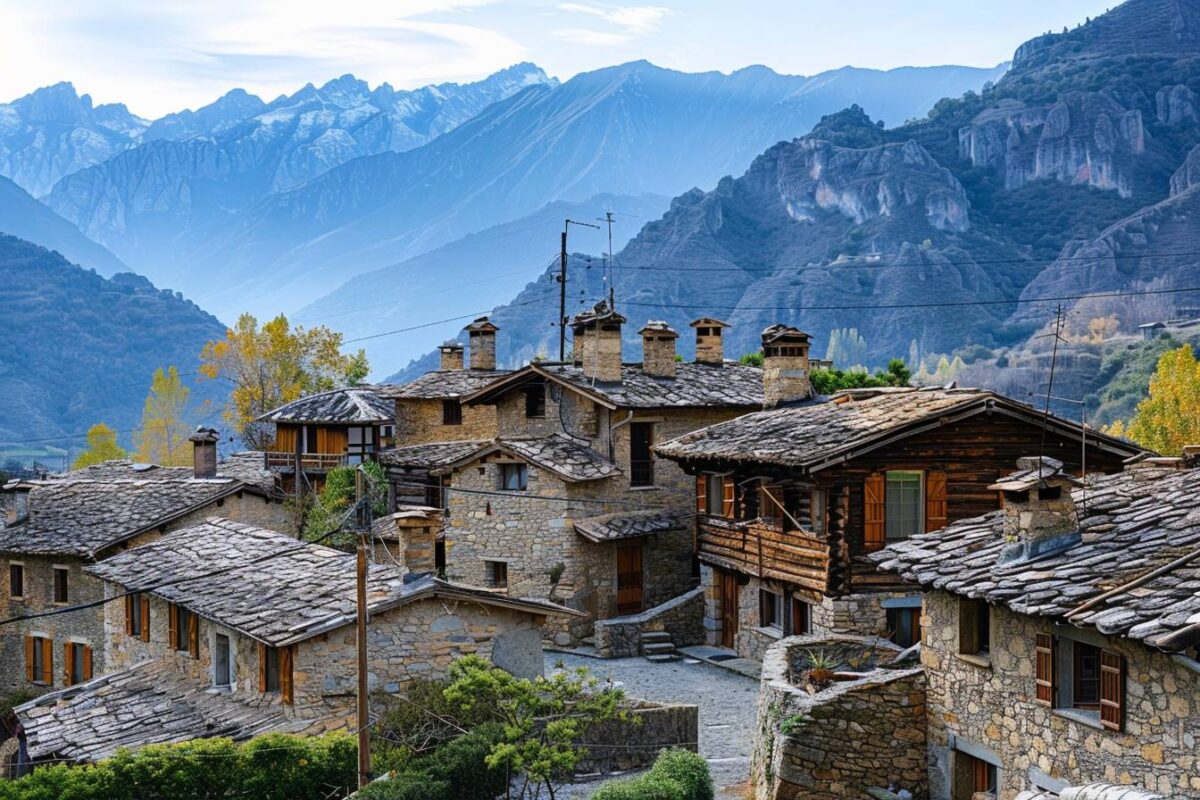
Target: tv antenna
(562,288)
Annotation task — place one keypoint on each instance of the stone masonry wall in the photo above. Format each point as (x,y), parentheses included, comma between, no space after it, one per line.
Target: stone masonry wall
(87,626)
(991,705)
(619,746)
(841,740)
(682,617)
(420,422)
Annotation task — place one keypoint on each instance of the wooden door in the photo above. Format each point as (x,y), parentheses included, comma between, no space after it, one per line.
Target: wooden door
(729,609)
(629,578)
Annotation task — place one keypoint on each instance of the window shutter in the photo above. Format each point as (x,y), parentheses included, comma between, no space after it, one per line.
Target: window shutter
(262,667)
(129,600)
(30,642)
(68,663)
(1112,690)
(48,662)
(145,601)
(935,500)
(285,674)
(172,625)
(193,635)
(873,491)
(87,663)
(701,494)
(729,490)
(1044,670)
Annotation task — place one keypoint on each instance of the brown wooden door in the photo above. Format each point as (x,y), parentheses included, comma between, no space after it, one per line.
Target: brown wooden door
(729,609)
(629,579)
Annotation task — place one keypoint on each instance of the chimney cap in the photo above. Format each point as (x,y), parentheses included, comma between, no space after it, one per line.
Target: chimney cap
(1034,471)
(205,435)
(709,322)
(451,345)
(481,325)
(657,327)
(784,333)
(600,313)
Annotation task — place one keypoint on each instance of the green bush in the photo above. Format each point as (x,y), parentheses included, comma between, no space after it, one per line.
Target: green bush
(647,787)
(407,786)
(676,775)
(456,770)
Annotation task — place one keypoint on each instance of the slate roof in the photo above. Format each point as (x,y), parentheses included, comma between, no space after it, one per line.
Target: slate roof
(428,456)
(816,432)
(694,386)
(82,517)
(628,525)
(352,405)
(569,458)
(246,466)
(445,384)
(1135,573)
(299,589)
(147,703)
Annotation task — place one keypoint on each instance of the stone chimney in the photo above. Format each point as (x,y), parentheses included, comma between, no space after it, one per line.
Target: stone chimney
(1039,514)
(483,343)
(658,349)
(785,366)
(204,452)
(16,501)
(409,538)
(452,355)
(710,334)
(597,342)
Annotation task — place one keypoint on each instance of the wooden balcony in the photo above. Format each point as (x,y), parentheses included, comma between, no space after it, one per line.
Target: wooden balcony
(758,549)
(309,462)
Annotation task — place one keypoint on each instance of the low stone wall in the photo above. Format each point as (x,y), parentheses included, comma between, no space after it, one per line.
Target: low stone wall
(840,740)
(616,746)
(682,617)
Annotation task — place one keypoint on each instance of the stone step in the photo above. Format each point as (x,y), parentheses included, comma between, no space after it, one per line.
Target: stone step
(655,636)
(589,641)
(655,648)
(661,658)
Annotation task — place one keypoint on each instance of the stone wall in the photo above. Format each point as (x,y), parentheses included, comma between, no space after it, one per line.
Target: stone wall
(420,422)
(843,739)
(87,626)
(989,705)
(618,746)
(682,617)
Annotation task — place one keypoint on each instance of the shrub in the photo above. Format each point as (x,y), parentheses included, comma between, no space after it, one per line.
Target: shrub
(676,775)
(462,765)
(647,787)
(408,786)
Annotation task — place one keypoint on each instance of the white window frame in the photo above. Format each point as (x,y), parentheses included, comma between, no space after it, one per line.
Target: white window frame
(231,678)
(777,607)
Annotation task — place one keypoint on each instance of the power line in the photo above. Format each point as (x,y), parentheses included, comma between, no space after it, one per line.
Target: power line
(434,322)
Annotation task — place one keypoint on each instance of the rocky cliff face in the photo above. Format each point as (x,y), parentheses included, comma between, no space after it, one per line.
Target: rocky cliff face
(22,216)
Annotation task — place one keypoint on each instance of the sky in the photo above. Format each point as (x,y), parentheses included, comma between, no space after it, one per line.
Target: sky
(160,56)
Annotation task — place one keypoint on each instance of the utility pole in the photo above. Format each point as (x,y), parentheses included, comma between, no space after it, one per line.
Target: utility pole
(1058,337)
(363,715)
(612,301)
(562,288)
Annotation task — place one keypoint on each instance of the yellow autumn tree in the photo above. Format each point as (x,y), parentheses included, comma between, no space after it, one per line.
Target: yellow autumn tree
(273,365)
(102,446)
(163,437)
(1169,416)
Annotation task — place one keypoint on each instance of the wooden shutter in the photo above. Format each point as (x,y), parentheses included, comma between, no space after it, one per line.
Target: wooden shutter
(701,494)
(285,439)
(729,492)
(332,441)
(30,643)
(262,667)
(129,600)
(87,662)
(145,601)
(48,662)
(935,500)
(68,663)
(1112,690)
(172,625)
(1044,670)
(193,633)
(285,675)
(873,511)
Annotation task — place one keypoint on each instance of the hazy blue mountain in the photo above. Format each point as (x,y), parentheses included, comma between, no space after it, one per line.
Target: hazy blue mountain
(54,131)
(210,120)
(626,130)
(23,216)
(466,275)
(83,348)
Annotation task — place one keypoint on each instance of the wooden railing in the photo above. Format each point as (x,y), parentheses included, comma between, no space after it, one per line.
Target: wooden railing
(753,548)
(314,462)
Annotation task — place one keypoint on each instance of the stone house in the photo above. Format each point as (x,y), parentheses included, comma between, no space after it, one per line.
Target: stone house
(568,500)
(229,629)
(790,501)
(57,527)
(327,430)
(1061,635)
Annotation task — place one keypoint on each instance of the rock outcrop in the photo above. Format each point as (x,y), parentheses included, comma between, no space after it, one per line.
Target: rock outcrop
(1188,175)
(1177,105)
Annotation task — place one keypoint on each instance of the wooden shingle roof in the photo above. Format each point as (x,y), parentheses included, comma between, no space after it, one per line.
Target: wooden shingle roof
(350,406)
(1135,573)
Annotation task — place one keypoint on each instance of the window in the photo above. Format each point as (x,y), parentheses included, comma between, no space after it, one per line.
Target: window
(973,776)
(16,581)
(269,658)
(714,491)
(77,666)
(770,609)
(715,495)
(497,574)
(904,505)
(61,595)
(641,460)
(183,631)
(514,477)
(974,627)
(39,660)
(275,672)
(816,511)
(535,400)
(801,617)
(360,443)
(904,626)
(1085,680)
(748,505)
(222,661)
(1086,677)
(137,616)
(451,412)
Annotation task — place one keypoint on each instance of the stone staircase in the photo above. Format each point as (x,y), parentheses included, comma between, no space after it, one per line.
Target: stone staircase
(658,647)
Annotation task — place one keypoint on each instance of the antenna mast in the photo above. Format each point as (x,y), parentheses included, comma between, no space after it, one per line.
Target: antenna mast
(562,288)
(1058,337)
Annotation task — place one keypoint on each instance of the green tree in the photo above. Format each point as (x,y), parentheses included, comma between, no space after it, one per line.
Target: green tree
(324,517)
(1169,417)
(273,365)
(102,446)
(163,437)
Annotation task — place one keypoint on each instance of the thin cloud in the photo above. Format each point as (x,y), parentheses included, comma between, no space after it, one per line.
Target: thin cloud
(627,23)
